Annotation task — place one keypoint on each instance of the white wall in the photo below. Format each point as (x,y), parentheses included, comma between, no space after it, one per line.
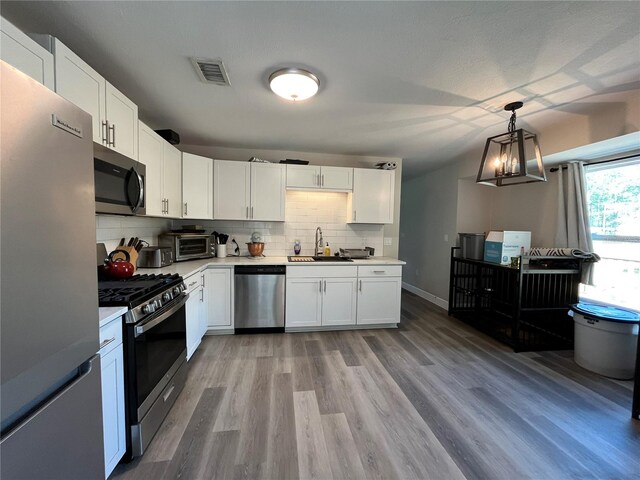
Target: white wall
(479,208)
(428,214)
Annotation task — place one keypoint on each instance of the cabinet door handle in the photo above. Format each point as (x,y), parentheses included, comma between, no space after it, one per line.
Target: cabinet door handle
(112,128)
(378,271)
(325,286)
(247,214)
(354,215)
(166,206)
(251,212)
(166,396)
(320,285)
(360,285)
(106,342)
(203,281)
(322,182)
(186,208)
(105,132)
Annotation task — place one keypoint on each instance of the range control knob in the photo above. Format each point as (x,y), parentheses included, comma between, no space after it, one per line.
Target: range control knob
(176,290)
(166,296)
(157,304)
(149,308)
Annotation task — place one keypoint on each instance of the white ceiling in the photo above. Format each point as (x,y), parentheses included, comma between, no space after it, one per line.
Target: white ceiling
(420,80)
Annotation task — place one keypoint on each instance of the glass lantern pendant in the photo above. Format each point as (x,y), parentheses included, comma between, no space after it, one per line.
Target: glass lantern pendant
(511,158)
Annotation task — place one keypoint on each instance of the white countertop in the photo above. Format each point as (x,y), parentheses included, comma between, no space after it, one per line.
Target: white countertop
(188,268)
(106,314)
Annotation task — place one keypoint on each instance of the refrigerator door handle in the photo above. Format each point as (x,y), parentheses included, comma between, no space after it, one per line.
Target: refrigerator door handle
(83,371)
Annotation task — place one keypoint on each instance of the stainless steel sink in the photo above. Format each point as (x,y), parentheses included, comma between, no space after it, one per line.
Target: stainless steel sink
(331,259)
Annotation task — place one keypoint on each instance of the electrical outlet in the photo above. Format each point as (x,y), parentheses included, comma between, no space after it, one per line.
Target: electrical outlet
(446,237)
(388,241)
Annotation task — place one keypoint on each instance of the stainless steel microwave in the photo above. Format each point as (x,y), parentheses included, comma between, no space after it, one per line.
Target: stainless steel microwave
(119,182)
(188,246)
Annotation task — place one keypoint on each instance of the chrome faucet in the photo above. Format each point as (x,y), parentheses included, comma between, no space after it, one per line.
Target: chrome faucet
(318,247)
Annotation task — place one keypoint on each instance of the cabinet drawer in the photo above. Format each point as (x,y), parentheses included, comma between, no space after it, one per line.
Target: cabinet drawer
(321,271)
(193,282)
(110,336)
(380,271)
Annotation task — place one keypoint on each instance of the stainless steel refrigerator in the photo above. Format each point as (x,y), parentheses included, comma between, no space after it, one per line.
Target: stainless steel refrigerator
(50,395)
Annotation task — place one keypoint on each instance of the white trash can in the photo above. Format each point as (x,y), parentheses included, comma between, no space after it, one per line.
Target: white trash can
(605,339)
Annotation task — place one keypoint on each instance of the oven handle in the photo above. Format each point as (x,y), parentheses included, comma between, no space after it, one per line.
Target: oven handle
(140,329)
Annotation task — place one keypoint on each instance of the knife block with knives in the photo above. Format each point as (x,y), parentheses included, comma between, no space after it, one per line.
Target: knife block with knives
(132,248)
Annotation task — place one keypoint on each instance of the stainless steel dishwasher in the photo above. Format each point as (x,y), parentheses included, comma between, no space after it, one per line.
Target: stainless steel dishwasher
(259,298)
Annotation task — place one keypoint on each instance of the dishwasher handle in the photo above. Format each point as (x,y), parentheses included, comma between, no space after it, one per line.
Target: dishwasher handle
(260,270)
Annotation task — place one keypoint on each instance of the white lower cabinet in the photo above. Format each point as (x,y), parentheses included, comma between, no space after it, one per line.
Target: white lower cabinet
(194,313)
(218,299)
(339,301)
(320,296)
(379,300)
(303,306)
(112,378)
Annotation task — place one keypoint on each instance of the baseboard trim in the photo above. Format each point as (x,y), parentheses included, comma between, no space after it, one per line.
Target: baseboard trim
(430,297)
(327,328)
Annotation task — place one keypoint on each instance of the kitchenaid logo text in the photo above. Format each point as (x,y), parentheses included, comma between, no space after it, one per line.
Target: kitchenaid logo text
(58,122)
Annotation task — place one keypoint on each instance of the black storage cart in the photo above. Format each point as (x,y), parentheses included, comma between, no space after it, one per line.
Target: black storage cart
(524,307)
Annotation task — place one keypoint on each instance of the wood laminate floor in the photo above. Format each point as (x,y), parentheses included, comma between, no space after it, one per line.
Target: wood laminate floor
(432,399)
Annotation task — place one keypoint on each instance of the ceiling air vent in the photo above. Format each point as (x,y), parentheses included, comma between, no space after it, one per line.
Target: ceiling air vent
(211,71)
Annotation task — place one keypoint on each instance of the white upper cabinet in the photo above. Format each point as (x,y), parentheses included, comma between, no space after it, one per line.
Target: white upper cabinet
(303,176)
(83,86)
(23,53)
(324,178)
(231,190)
(172,179)
(115,117)
(150,146)
(197,186)
(122,118)
(336,178)
(248,191)
(163,180)
(372,197)
(268,192)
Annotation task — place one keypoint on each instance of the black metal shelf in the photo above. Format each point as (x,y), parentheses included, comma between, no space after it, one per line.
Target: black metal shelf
(523,307)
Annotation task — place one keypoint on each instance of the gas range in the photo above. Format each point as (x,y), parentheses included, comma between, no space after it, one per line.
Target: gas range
(142,294)
(155,350)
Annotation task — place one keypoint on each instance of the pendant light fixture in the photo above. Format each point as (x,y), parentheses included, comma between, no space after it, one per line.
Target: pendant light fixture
(294,84)
(511,158)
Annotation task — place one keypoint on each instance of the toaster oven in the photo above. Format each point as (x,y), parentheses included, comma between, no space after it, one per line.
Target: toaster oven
(188,246)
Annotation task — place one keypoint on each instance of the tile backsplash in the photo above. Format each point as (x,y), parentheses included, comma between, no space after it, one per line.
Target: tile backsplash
(111,228)
(305,211)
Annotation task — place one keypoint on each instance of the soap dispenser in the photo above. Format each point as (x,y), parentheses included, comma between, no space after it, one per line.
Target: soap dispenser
(327,250)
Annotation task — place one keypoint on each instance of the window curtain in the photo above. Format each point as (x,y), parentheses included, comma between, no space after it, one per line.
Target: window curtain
(572,228)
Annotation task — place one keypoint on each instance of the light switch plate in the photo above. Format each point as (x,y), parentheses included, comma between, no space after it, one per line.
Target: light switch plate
(388,241)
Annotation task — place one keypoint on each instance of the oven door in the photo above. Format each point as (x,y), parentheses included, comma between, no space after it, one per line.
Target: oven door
(119,183)
(193,246)
(159,343)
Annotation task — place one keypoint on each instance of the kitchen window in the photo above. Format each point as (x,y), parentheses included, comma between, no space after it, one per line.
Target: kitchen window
(613,199)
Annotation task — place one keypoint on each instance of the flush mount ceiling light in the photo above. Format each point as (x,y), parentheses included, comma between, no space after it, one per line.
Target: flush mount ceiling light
(294,84)
(511,158)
